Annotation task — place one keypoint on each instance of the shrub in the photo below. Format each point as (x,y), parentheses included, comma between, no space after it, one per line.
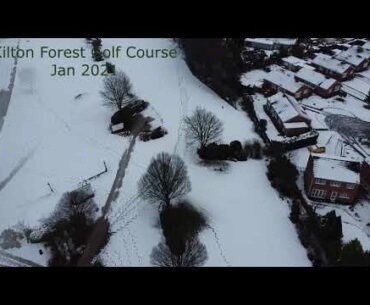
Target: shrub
(295,211)
(274,150)
(214,151)
(352,254)
(111,69)
(283,176)
(96,51)
(253,149)
(248,106)
(69,226)
(181,223)
(237,152)
(10,238)
(331,226)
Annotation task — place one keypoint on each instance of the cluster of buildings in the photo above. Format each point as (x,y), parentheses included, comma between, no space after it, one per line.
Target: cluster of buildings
(301,78)
(327,177)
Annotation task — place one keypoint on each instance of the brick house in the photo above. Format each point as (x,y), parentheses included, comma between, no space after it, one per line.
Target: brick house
(358,60)
(319,83)
(330,178)
(332,67)
(294,64)
(287,115)
(283,81)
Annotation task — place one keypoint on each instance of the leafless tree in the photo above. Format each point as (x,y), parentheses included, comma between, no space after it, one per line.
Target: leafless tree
(166,179)
(194,255)
(117,90)
(203,127)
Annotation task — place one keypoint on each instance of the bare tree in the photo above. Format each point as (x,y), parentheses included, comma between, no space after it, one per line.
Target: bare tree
(117,90)
(194,255)
(203,127)
(166,179)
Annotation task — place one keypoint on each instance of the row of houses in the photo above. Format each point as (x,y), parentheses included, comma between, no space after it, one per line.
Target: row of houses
(320,84)
(283,81)
(336,179)
(327,177)
(356,57)
(270,43)
(332,67)
(344,64)
(302,83)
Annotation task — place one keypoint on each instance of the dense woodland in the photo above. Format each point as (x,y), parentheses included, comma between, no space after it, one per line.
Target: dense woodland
(217,63)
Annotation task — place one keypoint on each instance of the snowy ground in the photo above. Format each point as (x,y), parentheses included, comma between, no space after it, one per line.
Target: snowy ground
(49,136)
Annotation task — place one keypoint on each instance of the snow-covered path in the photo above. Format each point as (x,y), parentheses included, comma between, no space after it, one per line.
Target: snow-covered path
(6,92)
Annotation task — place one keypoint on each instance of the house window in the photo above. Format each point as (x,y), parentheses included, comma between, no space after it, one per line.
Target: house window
(350,186)
(318,193)
(344,196)
(335,184)
(320,181)
(333,196)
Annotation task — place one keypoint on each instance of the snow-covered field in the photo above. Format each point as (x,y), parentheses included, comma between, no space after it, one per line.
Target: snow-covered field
(50,136)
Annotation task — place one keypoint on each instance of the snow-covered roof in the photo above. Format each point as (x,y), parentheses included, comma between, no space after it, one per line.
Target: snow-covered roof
(315,78)
(296,62)
(358,87)
(284,80)
(286,107)
(273,41)
(330,63)
(366,45)
(352,56)
(295,125)
(328,83)
(367,160)
(285,41)
(293,60)
(267,41)
(334,168)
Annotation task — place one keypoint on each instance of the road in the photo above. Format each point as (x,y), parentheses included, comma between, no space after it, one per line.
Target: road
(97,239)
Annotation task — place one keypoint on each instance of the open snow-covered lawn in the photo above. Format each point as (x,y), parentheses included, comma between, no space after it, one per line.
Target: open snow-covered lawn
(50,136)
(250,221)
